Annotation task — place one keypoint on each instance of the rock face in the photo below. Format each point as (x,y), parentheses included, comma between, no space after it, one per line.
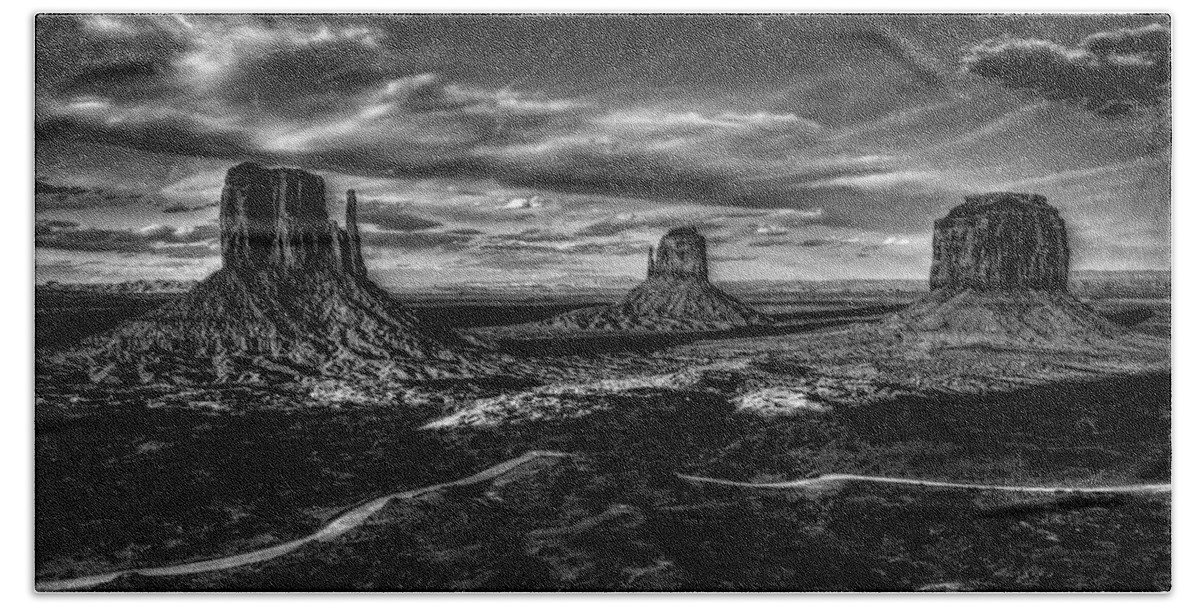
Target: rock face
(676,295)
(1001,240)
(682,255)
(999,274)
(277,218)
(291,300)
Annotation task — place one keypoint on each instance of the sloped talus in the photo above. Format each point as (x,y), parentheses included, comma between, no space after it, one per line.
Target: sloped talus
(999,274)
(292,298)
(676,295)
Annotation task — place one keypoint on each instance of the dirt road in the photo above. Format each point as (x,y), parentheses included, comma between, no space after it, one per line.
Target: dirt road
(834,479)
(350,519)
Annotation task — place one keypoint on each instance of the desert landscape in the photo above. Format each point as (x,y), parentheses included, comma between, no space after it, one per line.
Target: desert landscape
(293,419)
(998,401)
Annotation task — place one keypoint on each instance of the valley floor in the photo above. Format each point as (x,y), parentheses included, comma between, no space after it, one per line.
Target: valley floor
(132,478)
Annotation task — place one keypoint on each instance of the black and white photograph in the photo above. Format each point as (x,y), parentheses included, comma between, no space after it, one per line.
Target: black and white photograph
(654,302)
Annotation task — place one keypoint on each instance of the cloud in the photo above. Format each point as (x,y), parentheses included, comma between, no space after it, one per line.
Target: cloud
(732,258)
(446,241)
(162,233)
(818,242)
(190,251)
(879,181)
(795,218)
(624,222)
(1111,73)
(393,217)
(154,238)
(534,235)
(181,208)
(810,242)
(52,196)
(503,259)
(556,243)
(771,242)
(531,202)
(379,97)
(770,229)
(328,95)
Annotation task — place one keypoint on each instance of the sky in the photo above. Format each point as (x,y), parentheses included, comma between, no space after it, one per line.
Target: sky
(556,149)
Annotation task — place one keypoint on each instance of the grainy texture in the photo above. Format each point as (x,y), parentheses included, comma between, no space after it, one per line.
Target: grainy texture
(999,275)
(1001,240)
(292,300)
(675,295)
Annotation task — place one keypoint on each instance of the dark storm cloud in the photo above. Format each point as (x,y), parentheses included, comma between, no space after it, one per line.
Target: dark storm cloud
(128,58)
(342,96)
(746,111)
(155,129)
(59,235)
(1111,73)
(296,76)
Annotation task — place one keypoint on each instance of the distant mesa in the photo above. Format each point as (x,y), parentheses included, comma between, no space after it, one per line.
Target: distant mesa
(181,208)
(676,295)
(999,273)
(292,299)
(138,286)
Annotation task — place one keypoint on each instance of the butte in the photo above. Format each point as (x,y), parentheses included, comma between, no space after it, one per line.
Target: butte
(292,299)
(999,275)
(676,295)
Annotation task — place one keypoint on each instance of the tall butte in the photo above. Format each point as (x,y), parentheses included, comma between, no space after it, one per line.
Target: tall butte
(276,219)
(292,299)
(999,274)
(676,295)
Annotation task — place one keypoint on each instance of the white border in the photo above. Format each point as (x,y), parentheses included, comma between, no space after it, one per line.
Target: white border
(17,269)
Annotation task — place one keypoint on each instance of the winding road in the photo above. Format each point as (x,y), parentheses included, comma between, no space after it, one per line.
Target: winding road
(357,515)
(834,479)
(350,519)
